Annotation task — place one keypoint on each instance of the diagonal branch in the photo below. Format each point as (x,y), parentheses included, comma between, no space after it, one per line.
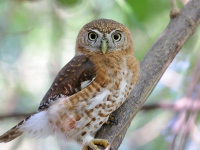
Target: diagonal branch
(153,66)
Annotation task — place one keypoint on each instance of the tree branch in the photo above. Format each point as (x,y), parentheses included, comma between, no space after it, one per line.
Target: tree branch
(153,66)
(15,115)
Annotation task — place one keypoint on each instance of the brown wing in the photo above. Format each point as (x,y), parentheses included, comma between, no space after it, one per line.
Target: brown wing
(69,80)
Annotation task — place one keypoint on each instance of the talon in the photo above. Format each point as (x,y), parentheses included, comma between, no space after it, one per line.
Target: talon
(93,144)
(112,120)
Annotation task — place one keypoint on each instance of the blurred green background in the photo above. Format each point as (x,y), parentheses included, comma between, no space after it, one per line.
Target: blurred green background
(37,38)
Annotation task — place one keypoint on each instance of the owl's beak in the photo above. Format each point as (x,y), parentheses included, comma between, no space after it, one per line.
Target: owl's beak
(104,46)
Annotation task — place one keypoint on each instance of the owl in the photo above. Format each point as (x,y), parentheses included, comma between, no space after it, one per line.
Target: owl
(88,89)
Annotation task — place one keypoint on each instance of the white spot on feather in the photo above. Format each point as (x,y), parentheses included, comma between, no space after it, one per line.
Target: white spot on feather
(99,98)
(86,83)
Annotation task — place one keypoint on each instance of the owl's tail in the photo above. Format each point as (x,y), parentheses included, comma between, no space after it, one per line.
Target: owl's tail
(35,126)
(11,134)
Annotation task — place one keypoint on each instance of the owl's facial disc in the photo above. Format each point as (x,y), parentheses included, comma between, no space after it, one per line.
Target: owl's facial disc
(104,42)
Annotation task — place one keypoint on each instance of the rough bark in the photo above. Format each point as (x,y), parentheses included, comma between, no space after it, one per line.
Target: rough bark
(153,66)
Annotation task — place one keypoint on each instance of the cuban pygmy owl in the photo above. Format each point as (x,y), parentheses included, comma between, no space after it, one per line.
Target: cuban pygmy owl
(88,89)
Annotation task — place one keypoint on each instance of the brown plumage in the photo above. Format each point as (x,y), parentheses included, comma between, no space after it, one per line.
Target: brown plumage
(88,89)
(69,79)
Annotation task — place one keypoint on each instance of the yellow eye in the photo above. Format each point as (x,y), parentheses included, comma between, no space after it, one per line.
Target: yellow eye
(92,36)
(116,37)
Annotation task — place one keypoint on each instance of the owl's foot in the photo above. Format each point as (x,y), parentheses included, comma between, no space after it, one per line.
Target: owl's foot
(112,120)
(174,10)
(93,144)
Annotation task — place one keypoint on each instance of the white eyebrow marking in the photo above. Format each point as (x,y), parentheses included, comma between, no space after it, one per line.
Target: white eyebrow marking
(96,31)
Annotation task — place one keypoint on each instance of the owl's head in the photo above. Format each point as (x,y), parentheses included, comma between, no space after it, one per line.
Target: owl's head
(104,36)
